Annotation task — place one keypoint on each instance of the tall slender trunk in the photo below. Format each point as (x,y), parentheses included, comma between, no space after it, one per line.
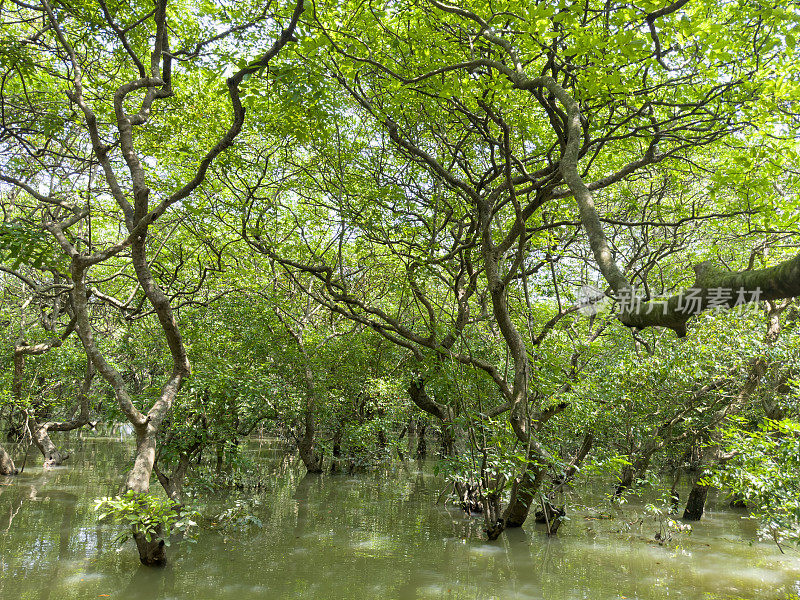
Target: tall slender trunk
(306,443)
(308,453)
(306,446)
(336,451)
(422,445)
(674,495)
(411,439)
(220,457)
(146,426)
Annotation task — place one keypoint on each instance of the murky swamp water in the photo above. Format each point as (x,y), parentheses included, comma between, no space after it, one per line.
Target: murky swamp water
(379,535)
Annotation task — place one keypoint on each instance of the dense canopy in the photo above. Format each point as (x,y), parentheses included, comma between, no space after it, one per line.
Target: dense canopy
(557,240)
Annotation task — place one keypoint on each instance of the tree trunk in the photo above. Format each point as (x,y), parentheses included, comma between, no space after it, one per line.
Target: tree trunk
(311,459)
(419,396)
(220,457)
(523,493)
(469,497)
(551,516)
(674,496)
(41,439)
(625,481)
(6,464)
(152,553)
(446,447)
(336,451)
(577,460)
(305,445)
(422,445)
(382,441)
(147,425)
(40,432)
(636,470)
(412,439)
(696,503)
(173,484)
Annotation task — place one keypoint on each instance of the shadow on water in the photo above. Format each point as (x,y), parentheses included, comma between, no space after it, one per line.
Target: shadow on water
(150,584)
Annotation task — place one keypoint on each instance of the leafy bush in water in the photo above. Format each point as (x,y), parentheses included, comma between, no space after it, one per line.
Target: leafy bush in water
(765,472)
(146,514)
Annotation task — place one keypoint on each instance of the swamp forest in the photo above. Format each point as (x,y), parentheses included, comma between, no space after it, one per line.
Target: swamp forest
(406,299)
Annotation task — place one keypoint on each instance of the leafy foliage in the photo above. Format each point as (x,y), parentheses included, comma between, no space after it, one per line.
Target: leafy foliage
(146,514)
(765,473)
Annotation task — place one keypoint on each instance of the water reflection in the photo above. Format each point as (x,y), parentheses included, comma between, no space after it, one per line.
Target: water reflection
(379,535)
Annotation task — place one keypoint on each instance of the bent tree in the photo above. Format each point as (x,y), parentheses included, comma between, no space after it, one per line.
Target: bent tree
(109,79)
(445,176)
(51,301)
(6,463)
(520,118)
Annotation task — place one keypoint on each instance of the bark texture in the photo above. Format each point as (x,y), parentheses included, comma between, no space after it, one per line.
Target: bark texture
(696,503)
(6,464)
(523,494)
(152,553)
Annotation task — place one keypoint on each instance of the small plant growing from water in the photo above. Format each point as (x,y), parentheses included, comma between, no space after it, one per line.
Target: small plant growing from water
(667,525)
(239,516)
(145,514)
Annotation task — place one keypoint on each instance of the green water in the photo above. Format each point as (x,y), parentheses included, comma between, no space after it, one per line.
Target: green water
(376,536)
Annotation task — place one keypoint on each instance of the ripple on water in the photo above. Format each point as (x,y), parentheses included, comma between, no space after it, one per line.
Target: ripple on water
(373,543)
(79,578)
(487,550)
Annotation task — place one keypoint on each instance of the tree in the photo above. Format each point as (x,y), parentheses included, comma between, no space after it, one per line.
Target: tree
(113,91)
(478,125)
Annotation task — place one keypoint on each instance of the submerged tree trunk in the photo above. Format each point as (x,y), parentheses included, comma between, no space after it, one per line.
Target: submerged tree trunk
(422,445)
(306,445)
(674,496)
(551,516)
(695,505)
(6,464)
(638,469)
(419,396)
(308,454)
(173,483)
(469,496)
(411,439)
(146,426)
(523,494)
(41,431)
(220,457)
(53,457)
(336,451)
(524,491)
(151,553)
